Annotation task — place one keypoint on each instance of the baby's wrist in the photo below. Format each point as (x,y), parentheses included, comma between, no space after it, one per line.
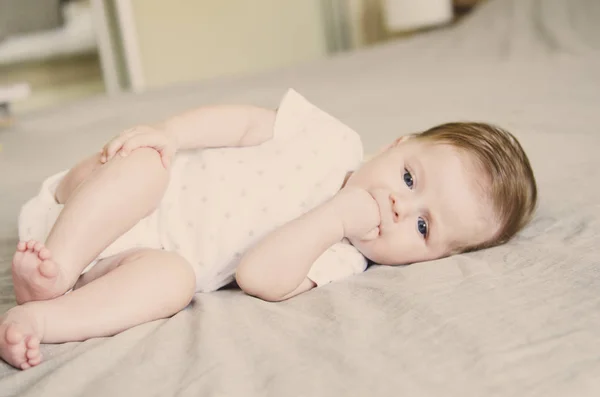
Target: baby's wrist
(172,135)
(340,208)
(357,212)
(333,214)
(174,138)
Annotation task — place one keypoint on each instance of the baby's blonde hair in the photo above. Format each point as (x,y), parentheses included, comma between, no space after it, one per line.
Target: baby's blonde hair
(512,186)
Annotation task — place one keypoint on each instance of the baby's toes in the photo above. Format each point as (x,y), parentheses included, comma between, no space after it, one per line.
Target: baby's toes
(25,365)
(33,343)
(38,247)
(44,254)
(35,361)
(33,356)
(22,246)
(31,244)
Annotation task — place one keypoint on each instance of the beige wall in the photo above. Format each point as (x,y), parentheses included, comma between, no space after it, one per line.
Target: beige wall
(187,40)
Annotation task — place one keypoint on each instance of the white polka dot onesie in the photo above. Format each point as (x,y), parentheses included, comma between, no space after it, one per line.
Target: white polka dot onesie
(221,201)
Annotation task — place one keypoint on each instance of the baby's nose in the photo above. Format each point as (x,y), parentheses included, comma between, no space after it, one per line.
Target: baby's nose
(397,212)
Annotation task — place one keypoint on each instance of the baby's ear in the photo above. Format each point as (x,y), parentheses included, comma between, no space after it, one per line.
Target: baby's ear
(402,139)
(396,142)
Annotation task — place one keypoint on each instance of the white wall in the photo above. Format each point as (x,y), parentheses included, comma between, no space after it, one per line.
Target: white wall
(188,40)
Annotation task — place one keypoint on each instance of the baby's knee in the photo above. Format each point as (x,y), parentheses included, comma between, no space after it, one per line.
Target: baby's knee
(147,161)
(75,177)
(178,263)
(148,157)
(181,274)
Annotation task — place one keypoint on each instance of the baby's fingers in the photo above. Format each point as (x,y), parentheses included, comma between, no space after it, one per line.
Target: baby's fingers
(104,154)
(166,154)
(112,148)
(138,141)
(165,160)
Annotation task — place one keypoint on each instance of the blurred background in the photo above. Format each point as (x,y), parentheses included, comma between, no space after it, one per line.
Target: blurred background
(56,51)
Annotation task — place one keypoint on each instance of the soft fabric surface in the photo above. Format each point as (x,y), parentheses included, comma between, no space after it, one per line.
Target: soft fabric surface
(516,320)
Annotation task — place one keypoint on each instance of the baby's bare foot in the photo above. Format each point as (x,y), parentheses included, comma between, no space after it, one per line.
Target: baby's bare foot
(20,335)
(35,275)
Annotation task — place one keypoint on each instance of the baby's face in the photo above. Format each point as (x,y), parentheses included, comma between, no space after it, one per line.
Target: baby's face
(431,199)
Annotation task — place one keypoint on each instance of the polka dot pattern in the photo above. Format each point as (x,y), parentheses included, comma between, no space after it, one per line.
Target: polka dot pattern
(224,200)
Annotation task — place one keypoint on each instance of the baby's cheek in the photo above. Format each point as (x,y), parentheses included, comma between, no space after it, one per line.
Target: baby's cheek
(406,250)
(382,251)
(365,247)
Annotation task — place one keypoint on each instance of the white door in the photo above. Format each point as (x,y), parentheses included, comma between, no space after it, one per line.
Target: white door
(169,42)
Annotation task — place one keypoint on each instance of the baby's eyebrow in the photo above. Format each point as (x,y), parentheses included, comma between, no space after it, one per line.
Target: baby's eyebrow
(432,222)
(418,166)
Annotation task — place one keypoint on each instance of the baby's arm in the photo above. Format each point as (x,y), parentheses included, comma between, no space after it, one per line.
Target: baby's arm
(275,269)
(221,126)
(206,127)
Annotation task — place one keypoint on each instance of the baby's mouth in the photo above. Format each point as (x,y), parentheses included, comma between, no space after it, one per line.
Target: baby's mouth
(376,231)
(380,226)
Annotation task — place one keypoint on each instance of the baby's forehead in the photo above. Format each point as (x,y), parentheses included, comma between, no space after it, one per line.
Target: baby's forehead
(476,175)
(435,147)
(460,194)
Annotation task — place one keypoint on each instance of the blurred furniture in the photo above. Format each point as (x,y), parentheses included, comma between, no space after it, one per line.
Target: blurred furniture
(44,39)
(371,22)
(50,45)
(8,95)
(466,3)
(462,7)
(113,46)
(180,41)
(406,15)
(27,16)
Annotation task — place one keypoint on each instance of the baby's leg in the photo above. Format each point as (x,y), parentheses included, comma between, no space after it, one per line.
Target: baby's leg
(109,202)
(144,285)
(76,176)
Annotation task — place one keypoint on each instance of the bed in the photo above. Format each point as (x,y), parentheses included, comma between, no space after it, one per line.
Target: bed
(522,319)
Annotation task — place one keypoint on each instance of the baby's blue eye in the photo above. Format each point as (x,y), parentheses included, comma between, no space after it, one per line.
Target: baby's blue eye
(422,227)
(408,179)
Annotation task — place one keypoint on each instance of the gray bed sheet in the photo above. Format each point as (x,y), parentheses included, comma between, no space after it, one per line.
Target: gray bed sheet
(517,320)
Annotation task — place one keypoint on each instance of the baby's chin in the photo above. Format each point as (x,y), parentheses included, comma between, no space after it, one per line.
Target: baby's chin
(375,250)
(365,241)
(369,248)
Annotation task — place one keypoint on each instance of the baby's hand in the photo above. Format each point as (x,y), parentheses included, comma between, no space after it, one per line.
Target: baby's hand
(359,212)
(138,137)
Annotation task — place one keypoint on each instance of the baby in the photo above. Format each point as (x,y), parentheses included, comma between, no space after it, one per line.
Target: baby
(278,201)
